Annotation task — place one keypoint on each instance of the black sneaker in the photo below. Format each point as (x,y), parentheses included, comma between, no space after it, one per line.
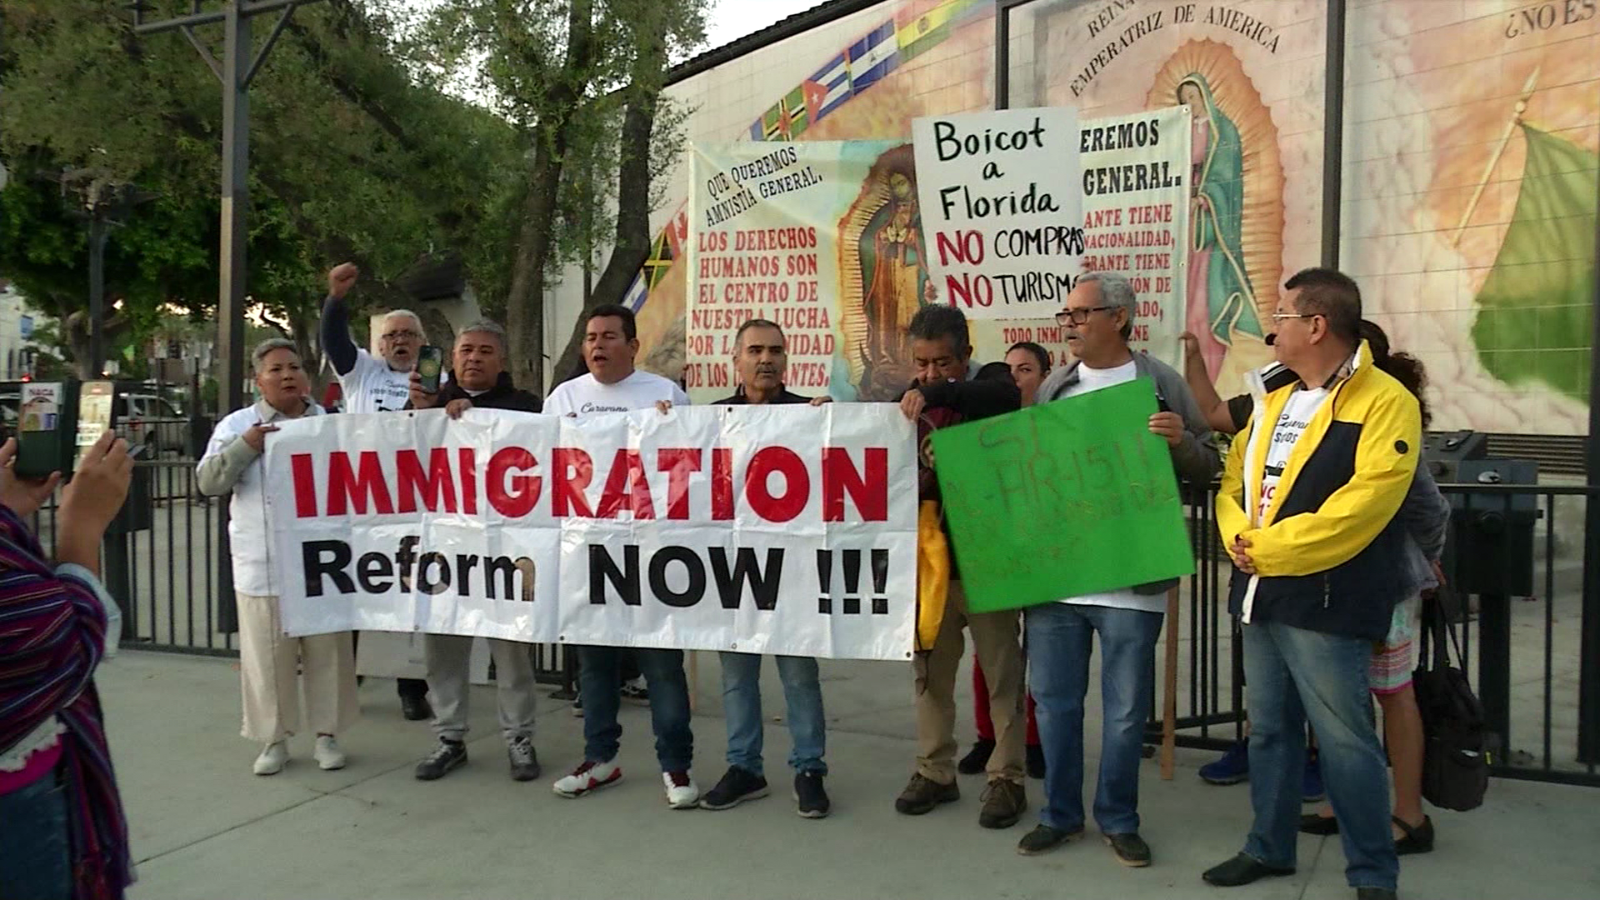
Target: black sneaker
(524,759)
(448,755)
(1043,838)
(414,699)
(736,786)
(1131,850)
(977,759)
(1035,761)
(809,796)
(922,794)
(1003,804)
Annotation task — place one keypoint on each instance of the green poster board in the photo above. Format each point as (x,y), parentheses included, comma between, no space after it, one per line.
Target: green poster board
(1070,498)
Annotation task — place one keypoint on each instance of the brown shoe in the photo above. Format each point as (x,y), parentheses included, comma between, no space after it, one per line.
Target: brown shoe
(922,794)
(1003,804)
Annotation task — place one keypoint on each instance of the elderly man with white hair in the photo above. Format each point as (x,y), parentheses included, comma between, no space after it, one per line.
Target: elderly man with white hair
(375,384)
(268,659)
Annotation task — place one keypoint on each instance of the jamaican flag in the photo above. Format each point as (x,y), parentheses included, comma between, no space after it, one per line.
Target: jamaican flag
(1536,308)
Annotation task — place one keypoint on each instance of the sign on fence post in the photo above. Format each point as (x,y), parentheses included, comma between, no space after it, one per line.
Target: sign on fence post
(1002,210)
(1070,498)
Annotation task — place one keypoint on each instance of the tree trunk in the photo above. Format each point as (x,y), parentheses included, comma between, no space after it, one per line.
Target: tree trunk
(525,299)
(632,247)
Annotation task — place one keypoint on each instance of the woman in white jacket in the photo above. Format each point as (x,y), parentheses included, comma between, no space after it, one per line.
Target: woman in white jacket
(267,659)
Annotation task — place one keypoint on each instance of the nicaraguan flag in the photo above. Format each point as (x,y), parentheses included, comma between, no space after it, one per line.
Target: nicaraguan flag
(874,57)
(637,293)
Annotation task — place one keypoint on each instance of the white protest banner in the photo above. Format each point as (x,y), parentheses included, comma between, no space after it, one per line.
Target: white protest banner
(635,529)
(1136,202)
(772,237)
(1001,209)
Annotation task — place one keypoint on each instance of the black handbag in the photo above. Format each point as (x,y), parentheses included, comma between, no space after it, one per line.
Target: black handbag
(1457,741)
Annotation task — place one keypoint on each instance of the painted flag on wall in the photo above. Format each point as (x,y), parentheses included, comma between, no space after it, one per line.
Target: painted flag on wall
(827,90)
(873,57)
(916,33)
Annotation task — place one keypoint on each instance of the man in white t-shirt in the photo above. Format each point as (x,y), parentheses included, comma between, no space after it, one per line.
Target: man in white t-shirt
(375,384)
(613,385)
(1060,636)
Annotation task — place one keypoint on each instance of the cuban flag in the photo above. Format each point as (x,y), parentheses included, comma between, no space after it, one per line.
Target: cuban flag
(873,57)
(827,90)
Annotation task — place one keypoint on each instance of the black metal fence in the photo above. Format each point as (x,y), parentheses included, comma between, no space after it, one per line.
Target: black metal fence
(1516,555)
(1516,552)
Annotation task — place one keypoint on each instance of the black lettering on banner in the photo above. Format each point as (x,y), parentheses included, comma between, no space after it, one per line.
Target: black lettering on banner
(763,585)
(506,568)
(315,566)
(464,566)
(603,569)
(431,587)
(850,600)
(370,569)
(690,595)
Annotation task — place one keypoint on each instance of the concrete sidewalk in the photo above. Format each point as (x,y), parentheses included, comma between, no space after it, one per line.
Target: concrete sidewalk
(204,827)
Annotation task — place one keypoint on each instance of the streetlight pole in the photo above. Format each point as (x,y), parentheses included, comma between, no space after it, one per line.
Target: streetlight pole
(238,68)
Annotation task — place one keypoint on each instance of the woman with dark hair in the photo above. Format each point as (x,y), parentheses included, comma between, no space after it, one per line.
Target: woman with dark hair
(1028,363)
(1426,516)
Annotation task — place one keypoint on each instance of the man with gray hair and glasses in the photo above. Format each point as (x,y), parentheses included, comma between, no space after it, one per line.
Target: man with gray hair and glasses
(481,380)
(1098,320)
(375,384)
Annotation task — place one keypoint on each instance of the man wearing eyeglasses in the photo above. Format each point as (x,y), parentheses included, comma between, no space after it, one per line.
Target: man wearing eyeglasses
(375,384)
(1099,322)
(1307,511)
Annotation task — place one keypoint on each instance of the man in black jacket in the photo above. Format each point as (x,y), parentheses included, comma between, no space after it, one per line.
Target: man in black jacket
(760,358)
(944,395)
(480,381)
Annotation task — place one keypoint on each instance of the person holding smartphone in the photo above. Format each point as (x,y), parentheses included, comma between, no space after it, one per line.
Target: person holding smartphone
(62,829)
(375,384)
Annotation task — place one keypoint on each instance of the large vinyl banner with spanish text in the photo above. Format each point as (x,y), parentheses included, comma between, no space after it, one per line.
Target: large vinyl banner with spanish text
(786,529)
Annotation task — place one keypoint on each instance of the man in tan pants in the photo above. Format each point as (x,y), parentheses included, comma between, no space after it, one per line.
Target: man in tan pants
(942,396)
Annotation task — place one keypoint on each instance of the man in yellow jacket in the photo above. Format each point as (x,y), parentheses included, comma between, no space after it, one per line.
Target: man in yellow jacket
(1306,510)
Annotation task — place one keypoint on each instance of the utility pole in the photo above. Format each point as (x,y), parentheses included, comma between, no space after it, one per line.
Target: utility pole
(238,68)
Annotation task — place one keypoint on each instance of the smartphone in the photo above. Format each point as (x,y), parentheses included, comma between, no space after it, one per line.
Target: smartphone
(430,363)
(96,414)
(39,443)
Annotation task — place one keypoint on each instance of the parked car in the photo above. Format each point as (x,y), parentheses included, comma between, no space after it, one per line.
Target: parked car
(153,421)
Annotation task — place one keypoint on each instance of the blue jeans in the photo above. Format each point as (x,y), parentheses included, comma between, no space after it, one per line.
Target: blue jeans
(1060,641)
(1292,675)
(600,683)
(741,702)
(35,852)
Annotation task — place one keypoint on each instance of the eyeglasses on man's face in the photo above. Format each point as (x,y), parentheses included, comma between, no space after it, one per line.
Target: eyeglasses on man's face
(406,335)
(1079,316)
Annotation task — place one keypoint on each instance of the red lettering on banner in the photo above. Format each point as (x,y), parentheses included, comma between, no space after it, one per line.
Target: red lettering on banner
(305,486)
(626,477)
(516,497)
(679,462)
(796,490)
(347,489)
(469,480)
(721,484)
(869,493)
(435,486)
(573,470)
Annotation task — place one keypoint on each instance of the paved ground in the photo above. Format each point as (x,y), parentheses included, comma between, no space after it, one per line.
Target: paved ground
(204,827)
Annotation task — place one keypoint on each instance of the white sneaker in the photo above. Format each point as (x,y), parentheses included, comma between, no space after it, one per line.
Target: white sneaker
(272,758)
(328,754)
(682,792)
(588,777)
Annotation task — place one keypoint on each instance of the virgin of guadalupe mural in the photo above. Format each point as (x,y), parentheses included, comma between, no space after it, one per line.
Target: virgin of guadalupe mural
(884,275)
(1236,212)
